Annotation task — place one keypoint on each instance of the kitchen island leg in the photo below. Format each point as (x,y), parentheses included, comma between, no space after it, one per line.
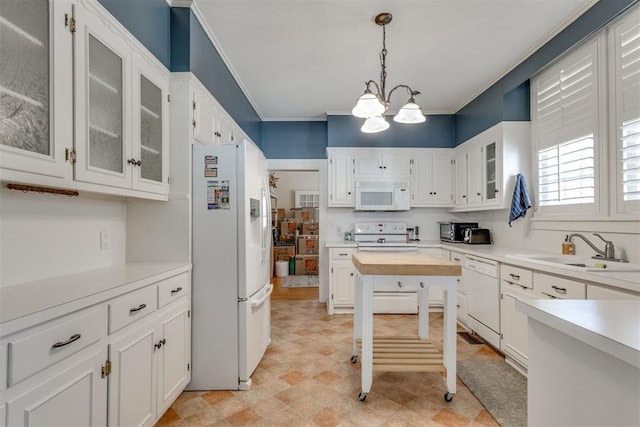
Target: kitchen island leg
(423,311)
(357,318)
(366,320)
(449,338)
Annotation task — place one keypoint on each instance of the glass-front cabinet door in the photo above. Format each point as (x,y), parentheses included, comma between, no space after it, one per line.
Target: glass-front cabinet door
(102,67)
(150,128)
(492,173)
(36,86)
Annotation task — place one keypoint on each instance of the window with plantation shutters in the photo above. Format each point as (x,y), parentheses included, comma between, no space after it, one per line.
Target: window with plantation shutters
(626,71)
(565,118)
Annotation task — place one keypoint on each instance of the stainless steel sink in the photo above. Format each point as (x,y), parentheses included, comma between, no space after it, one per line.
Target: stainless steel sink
(576,263)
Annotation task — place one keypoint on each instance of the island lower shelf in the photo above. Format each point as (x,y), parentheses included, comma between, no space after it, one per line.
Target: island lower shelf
(405,354)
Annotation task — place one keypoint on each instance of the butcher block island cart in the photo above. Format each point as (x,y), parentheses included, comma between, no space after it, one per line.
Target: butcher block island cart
(411,272)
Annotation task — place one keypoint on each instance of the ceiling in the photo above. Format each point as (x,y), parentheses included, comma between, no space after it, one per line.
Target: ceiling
(303,59)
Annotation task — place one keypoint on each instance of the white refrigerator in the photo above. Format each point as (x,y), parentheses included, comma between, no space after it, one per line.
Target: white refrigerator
(231,311)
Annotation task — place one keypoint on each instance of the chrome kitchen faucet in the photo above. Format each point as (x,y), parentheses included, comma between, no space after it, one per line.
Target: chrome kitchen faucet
(609,252)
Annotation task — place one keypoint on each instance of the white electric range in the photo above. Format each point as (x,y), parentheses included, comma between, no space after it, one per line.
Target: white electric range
(388,237)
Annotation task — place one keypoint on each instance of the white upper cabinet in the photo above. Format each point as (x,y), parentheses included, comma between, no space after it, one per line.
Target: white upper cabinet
(374,164)
(427,170)
(460,169)
(88,103)
(150,128)
(121,110)
(474,175)
(432,178)
(205,110)
(211,123)
(341,186)
(35,126)
(102,78)
(486,166)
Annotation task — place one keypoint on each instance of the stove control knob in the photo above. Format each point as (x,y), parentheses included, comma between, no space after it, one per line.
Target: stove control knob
(366,227)
(395,227)
(400,227)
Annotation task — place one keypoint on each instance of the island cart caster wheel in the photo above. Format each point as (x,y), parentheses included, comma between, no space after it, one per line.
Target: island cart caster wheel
(362,396)
(448,397)
(354,358)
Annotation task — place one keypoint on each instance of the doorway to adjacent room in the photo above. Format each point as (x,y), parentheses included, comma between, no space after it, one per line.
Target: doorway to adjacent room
(295,200)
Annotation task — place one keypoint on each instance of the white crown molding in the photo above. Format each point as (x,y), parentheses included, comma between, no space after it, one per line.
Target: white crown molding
(179,3)
(295,119)
(200,17)
(530,52)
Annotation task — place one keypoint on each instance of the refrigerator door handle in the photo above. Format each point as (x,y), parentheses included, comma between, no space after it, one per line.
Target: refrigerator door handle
(266,231)
(265,297)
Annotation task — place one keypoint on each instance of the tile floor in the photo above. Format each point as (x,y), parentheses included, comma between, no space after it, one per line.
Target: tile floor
(306,379)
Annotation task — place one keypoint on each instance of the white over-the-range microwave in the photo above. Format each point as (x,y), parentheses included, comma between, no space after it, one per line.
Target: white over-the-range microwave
(382,196)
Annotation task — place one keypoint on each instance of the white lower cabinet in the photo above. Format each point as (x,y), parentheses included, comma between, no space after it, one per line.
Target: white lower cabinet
(461,294)
(603,292)
(513,325)
(68,371)
(132,383)
(174,356)
(342,280)
(149,367)
(548,286)
(75,396)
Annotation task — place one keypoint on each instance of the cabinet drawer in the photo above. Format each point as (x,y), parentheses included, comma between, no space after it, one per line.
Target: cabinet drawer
(131,307)
(517,275)
(557,287)
(42,346)
(172,289)
(398,283)
(342,253)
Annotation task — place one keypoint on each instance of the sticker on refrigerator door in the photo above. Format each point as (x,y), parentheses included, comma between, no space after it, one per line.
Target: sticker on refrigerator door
(217,194)
(210,166)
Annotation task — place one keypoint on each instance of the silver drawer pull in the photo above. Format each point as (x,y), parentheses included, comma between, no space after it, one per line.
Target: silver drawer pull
(343,254)
(399,284)
(71,339)
(176,290)
(514,276)
(138,308)
(421,285)
(559,289)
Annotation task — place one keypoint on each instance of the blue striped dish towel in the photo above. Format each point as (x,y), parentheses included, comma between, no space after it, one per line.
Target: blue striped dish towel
(521,201)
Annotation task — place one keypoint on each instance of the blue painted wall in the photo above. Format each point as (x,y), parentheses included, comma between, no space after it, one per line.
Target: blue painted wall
(437,131)
(506,99)
(180,41)
(294,140)
(148,20)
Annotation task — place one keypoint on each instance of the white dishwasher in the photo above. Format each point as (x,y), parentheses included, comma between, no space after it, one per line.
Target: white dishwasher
(482,279)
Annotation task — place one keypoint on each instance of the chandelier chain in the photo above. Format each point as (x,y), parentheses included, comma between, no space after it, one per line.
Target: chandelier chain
(383,64)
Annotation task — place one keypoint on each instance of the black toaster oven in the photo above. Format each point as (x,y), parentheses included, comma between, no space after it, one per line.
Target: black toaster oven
(453,231)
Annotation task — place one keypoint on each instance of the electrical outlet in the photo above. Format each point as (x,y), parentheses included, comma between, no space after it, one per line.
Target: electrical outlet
(105,240)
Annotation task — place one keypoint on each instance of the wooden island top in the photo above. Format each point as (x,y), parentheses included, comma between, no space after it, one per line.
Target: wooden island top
(371,263)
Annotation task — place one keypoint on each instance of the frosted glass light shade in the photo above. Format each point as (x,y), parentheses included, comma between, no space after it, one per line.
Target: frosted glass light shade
(367,106)
(374,124)
(410,113)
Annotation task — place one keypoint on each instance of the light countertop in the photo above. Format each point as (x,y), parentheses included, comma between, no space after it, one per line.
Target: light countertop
(404,264)
(93,286)
(629,281)
(612,326)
